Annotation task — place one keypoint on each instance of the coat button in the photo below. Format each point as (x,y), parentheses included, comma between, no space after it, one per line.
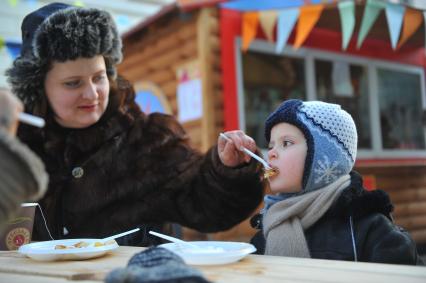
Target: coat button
(77,172)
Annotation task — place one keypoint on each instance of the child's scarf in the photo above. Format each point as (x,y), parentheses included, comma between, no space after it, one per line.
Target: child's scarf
(284,223)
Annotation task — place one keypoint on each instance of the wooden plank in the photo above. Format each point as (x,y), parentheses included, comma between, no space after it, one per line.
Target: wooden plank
(215,63)
(408,195)
(71,270)
(169,88)
(187,31)
(214,43)
(142,64)
(173,104)
(419,236)
(162,46)
(160,76)
(253,268)
(214,24)
(153,33)
(193,129)
(217,80)
(19,278)
(412,222)
(163,61)
(204,57)
(409,209)
(189,49)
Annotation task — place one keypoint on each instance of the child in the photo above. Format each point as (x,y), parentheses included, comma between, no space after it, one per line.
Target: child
(320,209)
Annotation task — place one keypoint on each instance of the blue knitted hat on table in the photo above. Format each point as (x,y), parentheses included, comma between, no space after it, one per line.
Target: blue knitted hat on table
(156,265)
(330,134)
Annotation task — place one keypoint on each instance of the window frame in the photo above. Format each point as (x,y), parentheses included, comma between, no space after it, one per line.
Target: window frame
(309,55)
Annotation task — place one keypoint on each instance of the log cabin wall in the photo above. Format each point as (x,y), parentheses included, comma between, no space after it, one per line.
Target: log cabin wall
(154,53)
(406,187)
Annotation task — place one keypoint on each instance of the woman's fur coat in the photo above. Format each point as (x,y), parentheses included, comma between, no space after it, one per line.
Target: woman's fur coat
(132,170)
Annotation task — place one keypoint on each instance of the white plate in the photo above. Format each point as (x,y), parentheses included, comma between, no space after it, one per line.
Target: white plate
(45,251)
(211,252)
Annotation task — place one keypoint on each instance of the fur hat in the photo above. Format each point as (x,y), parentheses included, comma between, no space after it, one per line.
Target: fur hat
(59,32)
(156,265)
(330,134)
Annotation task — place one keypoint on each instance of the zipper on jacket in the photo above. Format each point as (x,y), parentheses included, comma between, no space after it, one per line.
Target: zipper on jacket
(353,238)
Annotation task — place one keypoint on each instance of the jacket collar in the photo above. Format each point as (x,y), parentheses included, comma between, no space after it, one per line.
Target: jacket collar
(357,202)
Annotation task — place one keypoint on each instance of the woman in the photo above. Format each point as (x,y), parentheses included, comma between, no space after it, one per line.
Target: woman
(22,175)
(111,166)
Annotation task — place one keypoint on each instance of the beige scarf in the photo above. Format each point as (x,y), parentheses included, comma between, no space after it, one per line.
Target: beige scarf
(285,222)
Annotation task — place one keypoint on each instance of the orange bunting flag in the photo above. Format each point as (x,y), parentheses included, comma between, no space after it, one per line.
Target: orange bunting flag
(412,21)
(250,24)
(268,20)
(309,16)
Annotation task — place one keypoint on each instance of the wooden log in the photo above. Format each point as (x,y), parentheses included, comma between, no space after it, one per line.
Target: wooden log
(189,49)
(214,43)
(218,99)
(160,76)
(143,59)
(412,208)
(163,61)
(173,105)
(151,35)
(193,131)
(187,31)
(408,195)
(160,47)
(134,73)
(169,88)
(412,222)
(419,236)
(183,61)
(192,124)
(220,118)
(400,182)
(214,25)
(215,63)
(204,48)
(163,46)
(216,79)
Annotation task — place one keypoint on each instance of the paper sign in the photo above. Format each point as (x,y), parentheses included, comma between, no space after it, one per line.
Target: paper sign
(190,106)
(189,93)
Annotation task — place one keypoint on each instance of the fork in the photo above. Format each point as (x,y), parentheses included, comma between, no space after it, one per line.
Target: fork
(255,156)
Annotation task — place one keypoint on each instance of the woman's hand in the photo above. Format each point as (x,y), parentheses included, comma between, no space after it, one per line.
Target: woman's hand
(230,151)
(10,107)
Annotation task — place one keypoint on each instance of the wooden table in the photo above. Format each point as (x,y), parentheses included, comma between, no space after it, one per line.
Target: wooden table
(253,268)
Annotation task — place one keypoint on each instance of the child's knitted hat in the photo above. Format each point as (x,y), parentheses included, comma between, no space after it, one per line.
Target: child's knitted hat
(330,134)
(156,265)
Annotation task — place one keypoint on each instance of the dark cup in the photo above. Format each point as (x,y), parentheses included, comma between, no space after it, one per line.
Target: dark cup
(19,229)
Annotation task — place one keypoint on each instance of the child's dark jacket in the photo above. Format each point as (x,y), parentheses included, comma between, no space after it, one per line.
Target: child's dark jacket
(376,237)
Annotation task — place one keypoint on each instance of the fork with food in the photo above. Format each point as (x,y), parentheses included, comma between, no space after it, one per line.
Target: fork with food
(269,171)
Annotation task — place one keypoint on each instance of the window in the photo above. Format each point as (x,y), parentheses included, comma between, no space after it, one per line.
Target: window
(346,84)
(269,80)
(400,106)
(386,100)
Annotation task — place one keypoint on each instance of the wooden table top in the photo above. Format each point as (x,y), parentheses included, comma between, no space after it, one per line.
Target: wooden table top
(254,268)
